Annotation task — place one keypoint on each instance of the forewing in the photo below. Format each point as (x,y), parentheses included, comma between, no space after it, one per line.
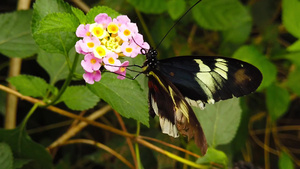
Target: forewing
(210,79)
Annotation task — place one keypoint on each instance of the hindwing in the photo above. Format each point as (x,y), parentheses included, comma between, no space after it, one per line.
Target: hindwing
(210,79)
(175,114)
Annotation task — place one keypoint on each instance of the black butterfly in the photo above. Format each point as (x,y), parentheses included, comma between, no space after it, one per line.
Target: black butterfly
(176,83)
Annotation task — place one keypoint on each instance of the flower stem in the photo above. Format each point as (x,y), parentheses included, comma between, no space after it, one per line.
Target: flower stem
(67,81)
(136,145)
(34,107)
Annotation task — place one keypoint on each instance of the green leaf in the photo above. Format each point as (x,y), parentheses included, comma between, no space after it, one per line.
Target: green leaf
(278,100)
(263,12)
(238,34)
(42,8)
(57,22)
(220,121)
(59,39)
(285,162)
(293,57)
(6,156)
(24,148)
(79,98)
(294,47)
(142,80)
(56,66)
(213,155)
(125,96)
(251,55)
(100,9)
(149,6)
(79,14)
(242,134)
(290,16)
(30,85)
(293,80)
(220,14)
(19,163)
(15,36)
(176,8)
(60,42)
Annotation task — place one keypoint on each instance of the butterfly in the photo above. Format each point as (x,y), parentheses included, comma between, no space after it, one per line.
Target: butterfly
(179,82)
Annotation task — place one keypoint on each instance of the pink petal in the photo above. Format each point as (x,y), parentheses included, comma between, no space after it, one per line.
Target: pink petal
(88,78)
(103,19)
(78,47)
(122,19)
(86,66)
(91,77)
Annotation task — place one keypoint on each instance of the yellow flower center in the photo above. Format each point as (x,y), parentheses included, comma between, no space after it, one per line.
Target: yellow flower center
(129,50)
(111,60)
(90,44)
(88,33)
(113,28)
(98,31)
(112,44)
(127,32)
(122,69)
(100,52)
(93,61)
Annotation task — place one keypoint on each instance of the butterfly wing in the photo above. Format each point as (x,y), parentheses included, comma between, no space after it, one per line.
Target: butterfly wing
(210,79)
(175,114)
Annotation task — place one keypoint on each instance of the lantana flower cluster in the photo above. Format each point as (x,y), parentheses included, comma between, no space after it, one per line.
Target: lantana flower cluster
(104,41)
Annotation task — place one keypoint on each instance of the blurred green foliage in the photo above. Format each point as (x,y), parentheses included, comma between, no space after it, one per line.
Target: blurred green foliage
(262,32)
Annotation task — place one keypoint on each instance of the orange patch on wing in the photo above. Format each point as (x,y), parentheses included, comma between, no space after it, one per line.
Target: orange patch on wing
(241,77)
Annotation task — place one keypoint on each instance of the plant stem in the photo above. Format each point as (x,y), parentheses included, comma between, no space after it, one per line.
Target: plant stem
(31,111)
(137,150)
(67,81)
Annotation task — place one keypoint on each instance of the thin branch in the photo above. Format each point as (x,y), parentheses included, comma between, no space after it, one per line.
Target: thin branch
(75,122)
(266,143)
(77,128)
(105,127)
(192,34)
(83,6)
(284,148)
(101,146)
(129,142)
(14,70)
(255,138)
(171,155)
(12,100)
(278,128)
(171,145)
(49,127)
(66,113)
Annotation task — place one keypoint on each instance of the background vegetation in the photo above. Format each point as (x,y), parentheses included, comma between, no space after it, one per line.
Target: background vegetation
(81,126)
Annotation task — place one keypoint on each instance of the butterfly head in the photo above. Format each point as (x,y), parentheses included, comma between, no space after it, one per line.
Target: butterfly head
(151,58)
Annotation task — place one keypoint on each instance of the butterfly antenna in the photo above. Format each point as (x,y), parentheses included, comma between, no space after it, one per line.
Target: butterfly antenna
(177,22)
(136,43)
